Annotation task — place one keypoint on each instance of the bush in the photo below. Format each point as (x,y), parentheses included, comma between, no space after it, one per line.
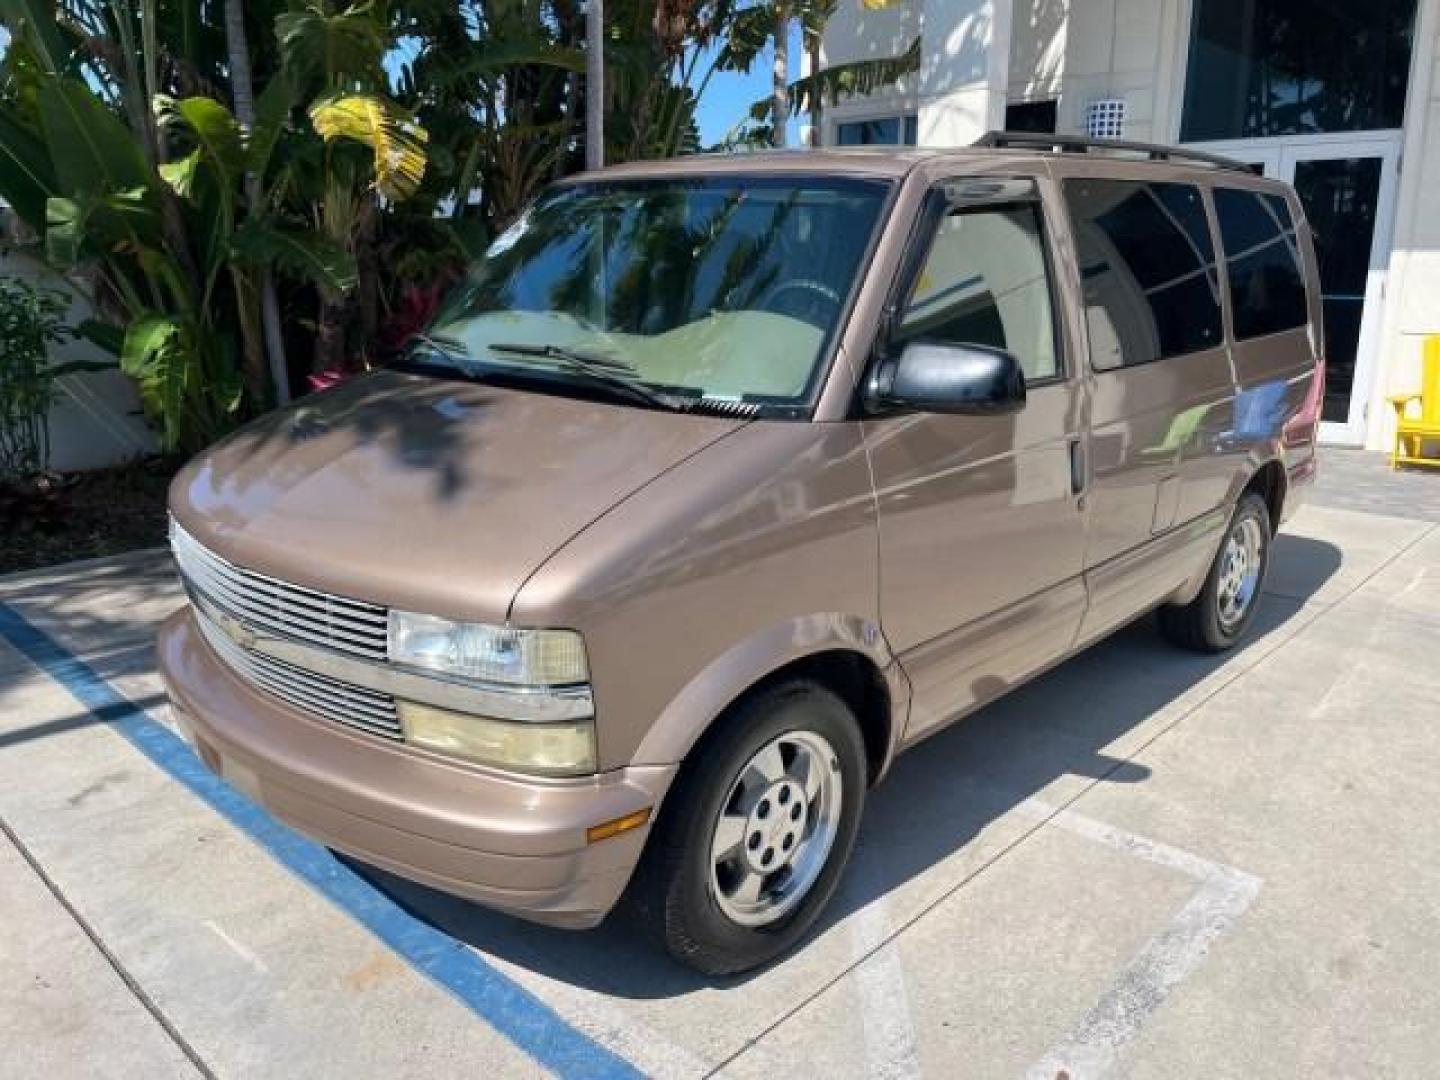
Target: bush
(31,320)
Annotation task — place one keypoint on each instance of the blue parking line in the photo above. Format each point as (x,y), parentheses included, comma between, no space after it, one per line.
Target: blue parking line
(498,1000)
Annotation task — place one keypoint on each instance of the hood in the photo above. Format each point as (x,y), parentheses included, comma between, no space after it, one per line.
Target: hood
(424,493)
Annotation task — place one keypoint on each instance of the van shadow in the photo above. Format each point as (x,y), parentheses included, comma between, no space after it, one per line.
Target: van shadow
(938,797)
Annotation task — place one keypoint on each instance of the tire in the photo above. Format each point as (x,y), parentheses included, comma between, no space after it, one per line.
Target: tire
(1212,622)
(698,905)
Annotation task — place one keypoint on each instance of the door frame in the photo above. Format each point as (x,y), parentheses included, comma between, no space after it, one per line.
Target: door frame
(1278,159)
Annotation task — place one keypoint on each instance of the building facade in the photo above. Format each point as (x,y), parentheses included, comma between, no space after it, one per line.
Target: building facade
(1339,97)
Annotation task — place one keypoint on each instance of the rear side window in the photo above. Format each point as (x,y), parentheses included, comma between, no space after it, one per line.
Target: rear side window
(1148,269)
(986,282)
(1267,284)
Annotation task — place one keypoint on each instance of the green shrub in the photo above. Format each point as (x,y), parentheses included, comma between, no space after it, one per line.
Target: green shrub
(31,320)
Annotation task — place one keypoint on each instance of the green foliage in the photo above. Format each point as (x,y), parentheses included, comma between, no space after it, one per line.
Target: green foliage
(31,320)
(327,50)
(188,387)
(308,256)
(390,139)
(857,77)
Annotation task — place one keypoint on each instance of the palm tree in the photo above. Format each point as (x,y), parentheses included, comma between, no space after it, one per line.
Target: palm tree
(820,85)
(594,84)
(814,17)
(780,110)
(242,92)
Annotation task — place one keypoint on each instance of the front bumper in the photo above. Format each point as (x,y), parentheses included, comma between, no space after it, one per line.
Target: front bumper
(508,842)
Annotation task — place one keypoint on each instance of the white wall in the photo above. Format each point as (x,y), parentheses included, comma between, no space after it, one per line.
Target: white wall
(1076,50)
(1085,50)
(96,421)
(959,91)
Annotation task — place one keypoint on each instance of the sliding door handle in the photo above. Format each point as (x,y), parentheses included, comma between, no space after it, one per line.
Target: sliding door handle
(1077,466)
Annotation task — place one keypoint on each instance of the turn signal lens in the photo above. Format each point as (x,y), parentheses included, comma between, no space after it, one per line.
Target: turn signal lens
(621,824)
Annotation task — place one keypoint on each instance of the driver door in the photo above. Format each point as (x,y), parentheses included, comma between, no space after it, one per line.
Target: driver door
(981,517)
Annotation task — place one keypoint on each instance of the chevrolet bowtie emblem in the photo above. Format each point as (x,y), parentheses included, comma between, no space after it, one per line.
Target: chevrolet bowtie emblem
(236,631)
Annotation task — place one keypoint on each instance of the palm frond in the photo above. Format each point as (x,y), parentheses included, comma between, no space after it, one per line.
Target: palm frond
(859,77)
(397,141)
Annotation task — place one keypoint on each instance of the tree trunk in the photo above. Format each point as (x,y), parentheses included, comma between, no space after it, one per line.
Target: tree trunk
(594,84)
(242,89)
(817,109)
(780,109)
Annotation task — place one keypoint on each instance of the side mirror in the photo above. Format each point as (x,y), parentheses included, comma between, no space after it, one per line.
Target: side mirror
(968,379)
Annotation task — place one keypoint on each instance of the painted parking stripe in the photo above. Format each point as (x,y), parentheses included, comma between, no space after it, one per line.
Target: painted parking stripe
(506,1006)
(1096,1043)
(1225,893)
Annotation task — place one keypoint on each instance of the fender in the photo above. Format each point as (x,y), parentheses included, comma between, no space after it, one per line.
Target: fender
(692,712)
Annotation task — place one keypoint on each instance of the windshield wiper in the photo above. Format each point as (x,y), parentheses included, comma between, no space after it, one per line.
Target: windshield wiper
(610,371)
(565,353)
(449,348)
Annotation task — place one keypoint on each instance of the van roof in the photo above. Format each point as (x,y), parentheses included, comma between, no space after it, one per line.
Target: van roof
(894,162)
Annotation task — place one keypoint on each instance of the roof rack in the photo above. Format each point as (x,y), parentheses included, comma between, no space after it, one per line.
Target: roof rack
(1076,144)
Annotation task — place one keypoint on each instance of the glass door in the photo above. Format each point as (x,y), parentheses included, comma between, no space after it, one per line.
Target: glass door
(1347,185)
(1348,195)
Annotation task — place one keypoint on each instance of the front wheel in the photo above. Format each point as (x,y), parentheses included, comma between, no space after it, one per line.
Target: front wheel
(1217,618)
(752,843)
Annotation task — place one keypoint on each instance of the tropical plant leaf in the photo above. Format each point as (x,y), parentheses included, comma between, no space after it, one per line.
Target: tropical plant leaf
(333,48)
(307,255)
(214,130)
(180,174)
(859,77)
(27,179)
(272,109)
(154,354)
(107,336)
(397,141)
(91,224)
(65,221)
(91,150)
(492,57)
(750,31)
(34,22)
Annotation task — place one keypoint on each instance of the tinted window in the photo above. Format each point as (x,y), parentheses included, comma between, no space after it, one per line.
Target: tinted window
(986,282)
(1288,67)
(1037,116)
(883,131)
(1148,268)
(1267,285)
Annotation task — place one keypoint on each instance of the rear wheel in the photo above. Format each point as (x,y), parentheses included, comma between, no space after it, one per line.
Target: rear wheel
(752,842)
(1217,618)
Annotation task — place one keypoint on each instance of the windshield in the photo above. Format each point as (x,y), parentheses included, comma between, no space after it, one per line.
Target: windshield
(714,288)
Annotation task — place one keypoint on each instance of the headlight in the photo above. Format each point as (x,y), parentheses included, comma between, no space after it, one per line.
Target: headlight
(494,654)
(566,748)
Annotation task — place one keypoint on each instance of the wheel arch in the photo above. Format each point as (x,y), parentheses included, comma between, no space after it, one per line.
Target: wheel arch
(1270,481)
(850,658)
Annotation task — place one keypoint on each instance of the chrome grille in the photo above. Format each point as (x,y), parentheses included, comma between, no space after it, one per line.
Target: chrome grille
(353,627)
(342,702)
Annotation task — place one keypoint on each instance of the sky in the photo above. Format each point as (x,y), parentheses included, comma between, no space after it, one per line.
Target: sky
(729,96)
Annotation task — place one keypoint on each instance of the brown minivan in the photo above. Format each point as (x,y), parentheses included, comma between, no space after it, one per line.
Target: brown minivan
(716,484)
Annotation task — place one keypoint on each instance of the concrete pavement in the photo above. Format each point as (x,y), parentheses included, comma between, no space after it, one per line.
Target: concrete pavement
(1145,863)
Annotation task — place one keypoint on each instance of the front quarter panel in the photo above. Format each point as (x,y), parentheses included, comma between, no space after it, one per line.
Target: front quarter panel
(757,551)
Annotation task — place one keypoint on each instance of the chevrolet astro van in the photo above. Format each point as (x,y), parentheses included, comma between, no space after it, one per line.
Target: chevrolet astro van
(715,485)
